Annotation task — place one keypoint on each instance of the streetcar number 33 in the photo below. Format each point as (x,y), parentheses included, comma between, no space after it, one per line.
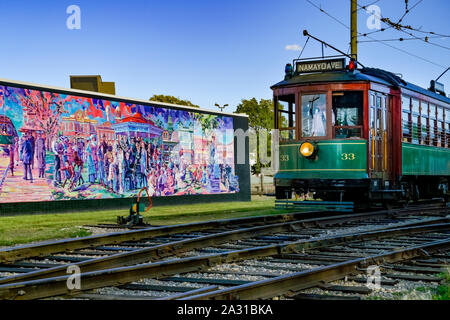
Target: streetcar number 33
(284,157)
(348,156)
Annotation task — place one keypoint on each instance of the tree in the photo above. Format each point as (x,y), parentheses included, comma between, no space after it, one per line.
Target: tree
(43,110)
(261,116)
(173,100)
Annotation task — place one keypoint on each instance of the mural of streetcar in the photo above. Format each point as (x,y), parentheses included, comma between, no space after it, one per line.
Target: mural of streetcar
(7,132)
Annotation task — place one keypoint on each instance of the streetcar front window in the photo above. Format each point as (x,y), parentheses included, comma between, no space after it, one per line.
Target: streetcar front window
(347,116)
(314,115)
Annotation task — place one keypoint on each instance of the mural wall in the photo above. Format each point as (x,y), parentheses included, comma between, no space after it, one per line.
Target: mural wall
(63,147)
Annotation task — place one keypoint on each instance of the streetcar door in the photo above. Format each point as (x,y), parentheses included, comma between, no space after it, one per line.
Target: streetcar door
(387,138)
(380,136)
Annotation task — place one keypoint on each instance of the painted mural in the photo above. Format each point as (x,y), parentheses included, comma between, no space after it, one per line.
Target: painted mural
(63,147)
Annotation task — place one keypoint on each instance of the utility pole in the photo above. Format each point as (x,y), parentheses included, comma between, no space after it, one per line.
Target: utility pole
(354,28)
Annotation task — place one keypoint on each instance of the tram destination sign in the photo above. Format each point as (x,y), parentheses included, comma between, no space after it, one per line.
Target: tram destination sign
(320,65)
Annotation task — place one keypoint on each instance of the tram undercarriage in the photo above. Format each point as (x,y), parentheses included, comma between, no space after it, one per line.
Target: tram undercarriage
(365,192)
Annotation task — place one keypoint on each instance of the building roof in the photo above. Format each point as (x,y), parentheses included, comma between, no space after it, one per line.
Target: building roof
(104,96)
(136,118)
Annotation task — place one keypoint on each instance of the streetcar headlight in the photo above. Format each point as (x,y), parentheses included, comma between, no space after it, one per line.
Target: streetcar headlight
(307,149)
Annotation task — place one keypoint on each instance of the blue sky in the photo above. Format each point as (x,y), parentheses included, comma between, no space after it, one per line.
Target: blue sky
(205,51)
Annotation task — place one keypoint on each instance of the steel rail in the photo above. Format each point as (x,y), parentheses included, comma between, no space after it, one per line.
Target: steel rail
(289,285)
(56,286)
(177,247)
(10,255)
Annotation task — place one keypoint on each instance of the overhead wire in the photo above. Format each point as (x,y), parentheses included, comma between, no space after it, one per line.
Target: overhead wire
(368,5)
(404,39)
(398,22)
(376,40)
(401,28)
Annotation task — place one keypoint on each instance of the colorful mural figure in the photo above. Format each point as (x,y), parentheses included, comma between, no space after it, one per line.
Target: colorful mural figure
(64,147)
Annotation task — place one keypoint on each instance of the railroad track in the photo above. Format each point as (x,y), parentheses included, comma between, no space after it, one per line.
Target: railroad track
(320,268)
(241,239)
(169,233)
(323,262)
(397,280)
(10,255)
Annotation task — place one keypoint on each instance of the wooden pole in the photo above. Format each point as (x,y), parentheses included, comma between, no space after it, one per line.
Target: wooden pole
(354,28)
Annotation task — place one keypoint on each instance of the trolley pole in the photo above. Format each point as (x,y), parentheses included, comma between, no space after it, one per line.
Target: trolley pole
(354,29)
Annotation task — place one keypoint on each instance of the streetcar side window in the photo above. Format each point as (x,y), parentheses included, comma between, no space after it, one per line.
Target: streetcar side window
(415,128)
(314,115)
(285,109)
(415,106)
(433,125)
(415,121)
(424,132)
(347,114)
(424,122)
(440,127)
(447,127)
(440,113)
(406,118)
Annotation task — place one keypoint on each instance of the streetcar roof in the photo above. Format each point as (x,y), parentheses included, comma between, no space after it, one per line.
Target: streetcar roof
(413,87)
(334,76)
(368,75)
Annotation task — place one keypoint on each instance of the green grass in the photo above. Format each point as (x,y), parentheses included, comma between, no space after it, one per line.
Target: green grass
(82,232)
(31,228)
(442,292)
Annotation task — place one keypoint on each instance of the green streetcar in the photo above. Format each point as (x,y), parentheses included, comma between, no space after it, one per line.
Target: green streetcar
(362,135)
(7,131)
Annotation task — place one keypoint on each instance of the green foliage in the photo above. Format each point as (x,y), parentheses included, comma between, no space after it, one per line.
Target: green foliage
(38,227)
(445,275)
(443,291)
(260,116)
(80,233)
(173,100)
